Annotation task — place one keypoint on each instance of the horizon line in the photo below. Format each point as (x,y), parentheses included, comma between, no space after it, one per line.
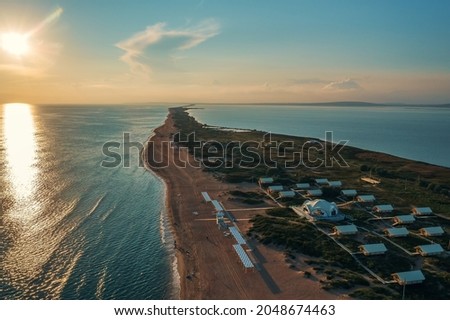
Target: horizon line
(321,103)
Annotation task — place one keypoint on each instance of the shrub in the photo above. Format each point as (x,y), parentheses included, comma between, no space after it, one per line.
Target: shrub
(281,212)
(364,168)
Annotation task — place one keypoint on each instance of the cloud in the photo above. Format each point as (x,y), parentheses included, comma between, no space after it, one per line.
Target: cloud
(343,85)
(308,81)
(186,38)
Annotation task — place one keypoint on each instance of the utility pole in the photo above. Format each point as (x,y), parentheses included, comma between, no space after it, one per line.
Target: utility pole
(404,288)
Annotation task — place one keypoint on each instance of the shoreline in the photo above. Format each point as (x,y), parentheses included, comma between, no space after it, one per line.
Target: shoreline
(320,137)
(180,261)
(166,212)
(167,237)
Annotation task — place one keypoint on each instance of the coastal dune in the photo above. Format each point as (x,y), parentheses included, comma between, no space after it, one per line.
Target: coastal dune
(207,265)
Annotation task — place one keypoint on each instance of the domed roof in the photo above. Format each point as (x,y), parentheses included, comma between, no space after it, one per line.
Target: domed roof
(321,207)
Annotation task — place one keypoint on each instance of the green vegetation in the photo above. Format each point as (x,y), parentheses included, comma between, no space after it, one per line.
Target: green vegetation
(282,212)
(410,242)
(375,293)
(404,182)
(248,197)
(343,279)
(296,234)
(386,264)
(242,194)
(435,287)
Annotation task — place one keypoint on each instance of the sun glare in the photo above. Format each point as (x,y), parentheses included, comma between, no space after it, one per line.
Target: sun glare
(15,43)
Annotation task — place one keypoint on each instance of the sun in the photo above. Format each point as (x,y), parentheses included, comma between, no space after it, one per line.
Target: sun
(15,43)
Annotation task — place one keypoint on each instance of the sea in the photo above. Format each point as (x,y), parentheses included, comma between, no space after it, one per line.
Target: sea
(414,132)
(75,222)
(81,218)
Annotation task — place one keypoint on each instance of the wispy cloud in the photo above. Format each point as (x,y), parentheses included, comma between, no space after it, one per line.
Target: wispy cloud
(308,81)
(187,38)
(343,85)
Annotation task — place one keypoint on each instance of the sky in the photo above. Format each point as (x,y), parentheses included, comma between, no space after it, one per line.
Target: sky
(139,51)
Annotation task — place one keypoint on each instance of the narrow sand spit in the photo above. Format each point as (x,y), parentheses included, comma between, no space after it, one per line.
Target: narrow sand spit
(207,265)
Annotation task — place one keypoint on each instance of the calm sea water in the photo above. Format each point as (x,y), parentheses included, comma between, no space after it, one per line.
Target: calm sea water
(69,228)
(419,133)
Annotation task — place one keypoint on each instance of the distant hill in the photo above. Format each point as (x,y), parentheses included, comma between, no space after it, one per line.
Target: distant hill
(320,104)
(345,104)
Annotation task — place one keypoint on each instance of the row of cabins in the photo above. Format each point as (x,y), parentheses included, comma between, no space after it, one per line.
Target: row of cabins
(386,208)
(320,209)
(416,211)
(379,249)
(282,193)
(311,190)
(408,219)
(320,182)
(314,190)
(351,229)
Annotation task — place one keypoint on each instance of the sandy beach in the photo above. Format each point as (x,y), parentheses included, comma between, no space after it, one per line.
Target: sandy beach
(207,265)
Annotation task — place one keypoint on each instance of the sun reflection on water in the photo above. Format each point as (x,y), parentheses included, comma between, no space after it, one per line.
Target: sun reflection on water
(35,227)
(21,260)
(20,147)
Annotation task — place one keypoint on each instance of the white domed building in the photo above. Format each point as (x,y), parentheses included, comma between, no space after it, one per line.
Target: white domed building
(319,209)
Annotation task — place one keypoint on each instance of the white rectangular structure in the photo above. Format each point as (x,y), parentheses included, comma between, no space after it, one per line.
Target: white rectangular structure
(383,208)
(206,196)
(286,194)
(217,205)
(365,198)
(409,277)
(349,193)
(275,188)
(432,231)
(302,186)
(314,193)
(404,219)
(429,249)
(248,264)
(373,249)
(335,184)
(346,229)
(265,180)
(322,181)
(237,235)
(422,211)
(396,232)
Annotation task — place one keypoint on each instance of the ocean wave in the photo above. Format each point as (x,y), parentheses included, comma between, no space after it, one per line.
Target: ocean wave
(166,232)
(101,284)
(168,240)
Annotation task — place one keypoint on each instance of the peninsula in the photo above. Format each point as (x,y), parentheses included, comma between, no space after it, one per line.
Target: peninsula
(293,257)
